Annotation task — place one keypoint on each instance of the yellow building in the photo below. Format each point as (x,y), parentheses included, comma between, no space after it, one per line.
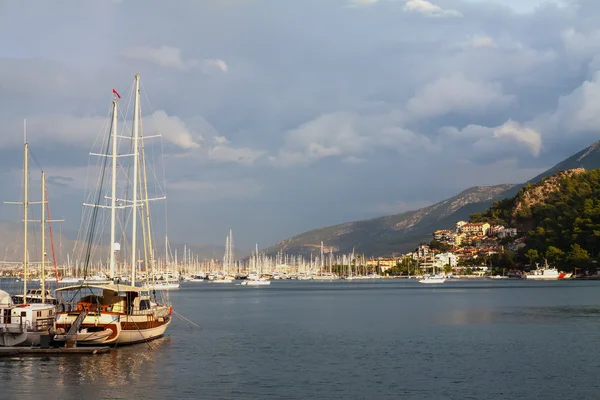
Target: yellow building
(477,228)
(459,238)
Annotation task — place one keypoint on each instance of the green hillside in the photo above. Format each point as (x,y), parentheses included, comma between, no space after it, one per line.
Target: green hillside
(560,217)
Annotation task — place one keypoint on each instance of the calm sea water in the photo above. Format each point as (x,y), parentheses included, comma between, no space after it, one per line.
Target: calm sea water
(353,340)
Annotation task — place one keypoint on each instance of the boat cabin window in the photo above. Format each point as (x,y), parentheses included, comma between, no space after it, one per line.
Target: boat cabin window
(145,304)
(23,313)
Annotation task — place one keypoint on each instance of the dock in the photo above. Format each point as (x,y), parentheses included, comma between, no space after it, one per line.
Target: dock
(37,351)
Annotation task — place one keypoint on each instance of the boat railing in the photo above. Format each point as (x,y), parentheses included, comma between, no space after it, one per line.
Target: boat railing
(16,324)
(42,324)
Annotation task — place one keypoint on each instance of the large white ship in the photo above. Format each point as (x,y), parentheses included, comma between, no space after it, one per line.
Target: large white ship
(547,274)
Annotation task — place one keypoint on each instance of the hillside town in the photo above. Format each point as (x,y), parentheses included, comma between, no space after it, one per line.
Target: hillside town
(466,250)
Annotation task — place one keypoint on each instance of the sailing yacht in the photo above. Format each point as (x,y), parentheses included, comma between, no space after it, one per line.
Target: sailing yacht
(166,280)
(24,323)
(433,278)
(228,262)
(256,279)
(114,313)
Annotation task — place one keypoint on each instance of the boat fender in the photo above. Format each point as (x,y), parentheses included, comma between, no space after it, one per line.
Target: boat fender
(170,310)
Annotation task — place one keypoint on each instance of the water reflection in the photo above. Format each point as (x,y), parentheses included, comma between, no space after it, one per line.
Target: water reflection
(464,317)
(81,375)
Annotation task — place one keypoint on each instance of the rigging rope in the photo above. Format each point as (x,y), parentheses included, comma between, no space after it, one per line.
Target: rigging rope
(187,320)
(94,217)
(51,242)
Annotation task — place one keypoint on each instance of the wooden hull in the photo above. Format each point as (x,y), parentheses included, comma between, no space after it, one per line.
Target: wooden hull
(132,336)
(126,329)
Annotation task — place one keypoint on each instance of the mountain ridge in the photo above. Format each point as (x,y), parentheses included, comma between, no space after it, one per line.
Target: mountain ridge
(411,224)
(379,236)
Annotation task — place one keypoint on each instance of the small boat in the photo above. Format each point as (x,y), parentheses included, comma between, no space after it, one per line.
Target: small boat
(35,296)
(325,277)
(196,278)
(432,279)
(162,285)
(255,281)
(86,336)
(64,280)
(222,280)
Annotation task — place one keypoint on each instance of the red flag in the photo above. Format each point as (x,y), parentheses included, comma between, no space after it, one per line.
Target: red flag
(115,92)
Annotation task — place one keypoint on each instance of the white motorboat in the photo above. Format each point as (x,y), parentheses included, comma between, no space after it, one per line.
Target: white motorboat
(432,279)
(256,282)
(23,324)
(35,296)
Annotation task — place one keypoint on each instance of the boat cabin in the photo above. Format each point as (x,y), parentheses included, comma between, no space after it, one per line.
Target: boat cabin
(110,298)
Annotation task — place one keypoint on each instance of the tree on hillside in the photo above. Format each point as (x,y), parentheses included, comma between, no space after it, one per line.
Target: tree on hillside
(504,259)
(578,253)
(554,254)
(532,255)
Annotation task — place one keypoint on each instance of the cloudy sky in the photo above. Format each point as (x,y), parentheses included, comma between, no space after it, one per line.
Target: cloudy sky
(281,116)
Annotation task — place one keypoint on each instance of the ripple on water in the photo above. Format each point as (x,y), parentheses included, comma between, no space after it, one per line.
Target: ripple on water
(380,340)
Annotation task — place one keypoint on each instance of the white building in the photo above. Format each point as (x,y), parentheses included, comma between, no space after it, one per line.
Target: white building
(447,259)
(507,232)
(459,226)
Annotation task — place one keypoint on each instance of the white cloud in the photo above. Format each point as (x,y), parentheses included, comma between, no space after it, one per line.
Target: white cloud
(170,57)
(222,152)
(328,135)
(353,160)
(362,2)
(527,136)
(577,112)
(209,65)
(172,129)
(485,144)
(428,9)
(479,42)
(83,131)
(457,94)
(347,135)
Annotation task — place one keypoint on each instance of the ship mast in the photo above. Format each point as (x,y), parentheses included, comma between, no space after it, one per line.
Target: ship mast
(113,203)
(136,122)
(25,209)
(43,219)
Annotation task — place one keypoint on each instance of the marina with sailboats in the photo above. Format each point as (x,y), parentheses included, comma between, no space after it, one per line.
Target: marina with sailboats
(96,309)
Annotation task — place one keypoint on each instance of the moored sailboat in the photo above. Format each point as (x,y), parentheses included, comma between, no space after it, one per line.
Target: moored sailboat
(24,323)
(114,313)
